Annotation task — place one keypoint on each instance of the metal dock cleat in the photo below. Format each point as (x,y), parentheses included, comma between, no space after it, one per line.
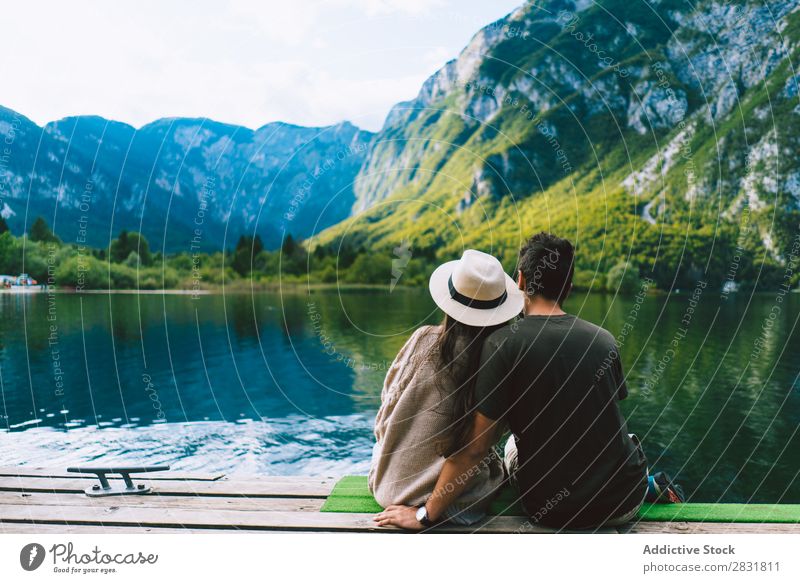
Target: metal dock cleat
(105,488)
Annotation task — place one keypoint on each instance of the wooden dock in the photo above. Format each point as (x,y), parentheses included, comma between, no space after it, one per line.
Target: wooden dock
(46,501)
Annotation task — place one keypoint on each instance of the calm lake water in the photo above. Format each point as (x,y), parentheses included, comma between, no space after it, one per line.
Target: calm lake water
(290,383)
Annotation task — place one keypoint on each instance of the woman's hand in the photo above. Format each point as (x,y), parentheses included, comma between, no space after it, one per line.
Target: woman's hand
(402,516)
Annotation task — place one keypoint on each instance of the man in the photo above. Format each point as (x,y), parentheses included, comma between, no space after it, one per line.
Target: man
(554,380)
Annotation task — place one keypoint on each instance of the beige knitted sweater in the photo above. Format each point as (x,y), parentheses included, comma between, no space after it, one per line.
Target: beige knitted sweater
(412,429)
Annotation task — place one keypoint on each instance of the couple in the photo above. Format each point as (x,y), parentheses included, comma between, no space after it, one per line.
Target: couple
(550,378)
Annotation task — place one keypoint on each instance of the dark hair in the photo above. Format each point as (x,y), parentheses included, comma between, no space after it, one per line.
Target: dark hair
(547,262)
(458,350)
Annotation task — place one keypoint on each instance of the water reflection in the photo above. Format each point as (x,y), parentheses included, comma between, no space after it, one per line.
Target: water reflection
(289,383)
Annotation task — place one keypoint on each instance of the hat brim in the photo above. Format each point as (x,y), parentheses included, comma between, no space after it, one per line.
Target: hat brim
(440,292)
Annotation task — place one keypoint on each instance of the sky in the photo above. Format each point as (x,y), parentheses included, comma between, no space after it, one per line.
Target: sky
(308,62)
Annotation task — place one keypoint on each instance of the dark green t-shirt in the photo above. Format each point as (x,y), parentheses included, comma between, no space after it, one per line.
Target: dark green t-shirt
(556,381)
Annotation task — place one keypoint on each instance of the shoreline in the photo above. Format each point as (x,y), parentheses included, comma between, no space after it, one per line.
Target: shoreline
(216,290)
(294,287)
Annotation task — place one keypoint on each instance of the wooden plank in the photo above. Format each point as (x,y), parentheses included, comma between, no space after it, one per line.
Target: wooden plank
(181,517)
(253,488)
(26,528)
(40,472)
(225,519)
(181,514)
(42,500)
(35,528)
(708,528)
(522,525)
(156,501)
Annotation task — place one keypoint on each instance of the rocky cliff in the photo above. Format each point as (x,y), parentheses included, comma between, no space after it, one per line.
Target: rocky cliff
(635,128)
(185,183)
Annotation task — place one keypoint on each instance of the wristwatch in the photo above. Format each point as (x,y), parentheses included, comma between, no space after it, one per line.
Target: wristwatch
(422,516)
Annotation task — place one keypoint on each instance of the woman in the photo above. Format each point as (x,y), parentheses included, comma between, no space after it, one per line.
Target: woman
(427,397)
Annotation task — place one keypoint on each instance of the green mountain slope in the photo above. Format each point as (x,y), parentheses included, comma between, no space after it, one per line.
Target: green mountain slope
(663,134)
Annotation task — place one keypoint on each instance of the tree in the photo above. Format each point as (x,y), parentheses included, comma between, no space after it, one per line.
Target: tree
(138,243)
(133,260)
(3,225)
(625,277)
(289,245)
(10,254)
(41,232)
(119,249)
(83,272)
(258,246)
(246,249)
(128,243)
(374,268)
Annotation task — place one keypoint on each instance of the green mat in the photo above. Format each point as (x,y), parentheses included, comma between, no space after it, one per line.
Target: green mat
(351,494)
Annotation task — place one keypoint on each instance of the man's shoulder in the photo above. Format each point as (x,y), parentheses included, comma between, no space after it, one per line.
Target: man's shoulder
(596,331)
(510,336)
(502,335)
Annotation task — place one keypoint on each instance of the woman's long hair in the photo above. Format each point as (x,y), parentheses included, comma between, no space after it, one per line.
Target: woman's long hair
(458,352)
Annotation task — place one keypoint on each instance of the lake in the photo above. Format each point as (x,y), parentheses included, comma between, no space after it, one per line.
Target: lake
(289,383)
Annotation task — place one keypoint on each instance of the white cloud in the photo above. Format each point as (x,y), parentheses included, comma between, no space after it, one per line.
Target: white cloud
(310,62)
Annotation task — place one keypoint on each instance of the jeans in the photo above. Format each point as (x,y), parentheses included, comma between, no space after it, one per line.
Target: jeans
(464,514)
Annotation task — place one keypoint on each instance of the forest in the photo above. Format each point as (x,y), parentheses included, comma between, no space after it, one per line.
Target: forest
(130,263)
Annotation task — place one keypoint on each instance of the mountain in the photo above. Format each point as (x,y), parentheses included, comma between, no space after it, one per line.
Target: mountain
(182,182)
(660,134)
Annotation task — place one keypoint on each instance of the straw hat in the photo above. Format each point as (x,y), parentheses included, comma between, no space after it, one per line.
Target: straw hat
(475,290)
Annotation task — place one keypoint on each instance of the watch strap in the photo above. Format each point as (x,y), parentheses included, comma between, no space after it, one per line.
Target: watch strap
(424,520)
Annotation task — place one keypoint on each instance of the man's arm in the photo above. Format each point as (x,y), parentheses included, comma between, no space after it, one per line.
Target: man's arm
(619,375)
(459,468)
(456,474)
